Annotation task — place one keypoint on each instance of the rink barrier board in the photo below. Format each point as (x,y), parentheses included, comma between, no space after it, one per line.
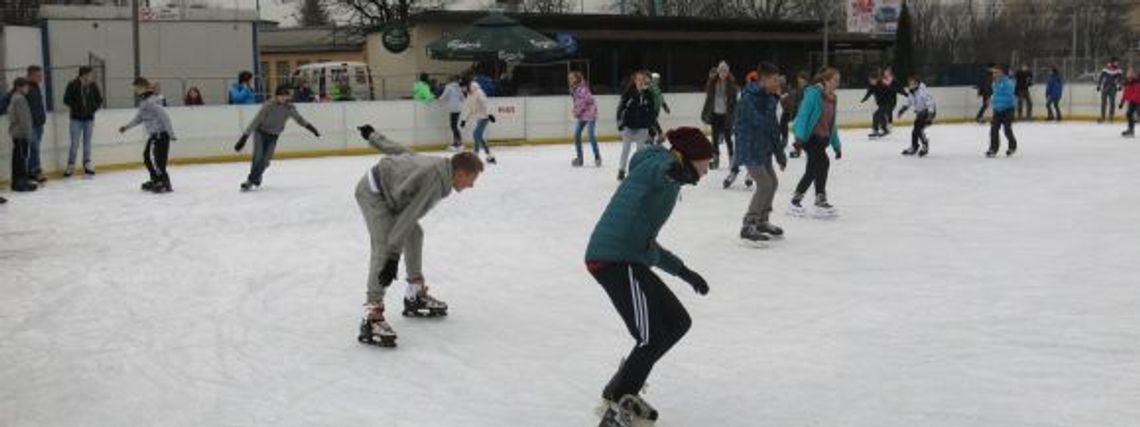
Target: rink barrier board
(206,134)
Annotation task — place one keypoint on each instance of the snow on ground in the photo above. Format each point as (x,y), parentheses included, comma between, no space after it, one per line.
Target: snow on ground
(954,291)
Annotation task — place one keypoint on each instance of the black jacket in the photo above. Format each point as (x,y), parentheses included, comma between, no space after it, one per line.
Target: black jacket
(884,95)
(1024,81)
(83,101)
(986,86)
(36,103)
(635,111)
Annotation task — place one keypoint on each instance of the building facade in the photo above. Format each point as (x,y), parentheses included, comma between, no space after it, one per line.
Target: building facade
(283,50)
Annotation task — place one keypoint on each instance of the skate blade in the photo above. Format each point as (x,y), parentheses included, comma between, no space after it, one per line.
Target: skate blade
(425,313)
(382,343)
(825,215)
(797,213)
(754,244)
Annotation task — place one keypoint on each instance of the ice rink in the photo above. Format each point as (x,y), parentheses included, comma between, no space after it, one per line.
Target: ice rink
(953,291)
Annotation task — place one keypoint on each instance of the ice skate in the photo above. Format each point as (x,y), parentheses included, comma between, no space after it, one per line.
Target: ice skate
(824,210)
(991,154)
(621,175)
(769,229)
(875,135)
(751,234)
(747,182)
(162,187)
(730,179)
(1010,152)
(625,412)
(796,207)
(67,173)
(597,162)
(909,151)
(248,186)
(147,186)
(922,152)
(577,162)
(418,303)
(1128,133)
(88,170)
(491,160)
(374,329)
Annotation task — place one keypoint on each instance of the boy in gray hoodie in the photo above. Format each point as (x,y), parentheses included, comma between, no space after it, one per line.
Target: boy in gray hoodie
(393,196)
(267,127)
(20,128)
(152,115)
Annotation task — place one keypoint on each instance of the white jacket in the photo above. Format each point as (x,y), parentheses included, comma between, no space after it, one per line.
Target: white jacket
(453,96)
(921,100)
(476,105)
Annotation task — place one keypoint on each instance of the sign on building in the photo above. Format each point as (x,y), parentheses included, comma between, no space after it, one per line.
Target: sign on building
(873,16)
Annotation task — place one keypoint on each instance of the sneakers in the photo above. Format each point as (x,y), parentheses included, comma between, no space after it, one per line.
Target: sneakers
(374,329)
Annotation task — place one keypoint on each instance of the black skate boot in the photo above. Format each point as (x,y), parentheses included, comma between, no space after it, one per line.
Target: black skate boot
(769,229)
(577,162)
(1128,133)
(875,135)
(796,208)
(419,303)
(598,161)
(991,154)
(374,330)
(909,151)
(67,173)
(824,209)
(491,160)
(922,152)
(1010,152)
(638,407)
(248,186)
(750,232)
(730,179)
(88,170)
(147,186)
(162,187)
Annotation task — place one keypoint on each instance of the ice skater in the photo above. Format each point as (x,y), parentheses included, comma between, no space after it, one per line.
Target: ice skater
(635,117)
(475,108)
(393,195)
(266,128)
(21,129)
(1003,104)
(884,103)
(922,102)
(1024,80)
(586,113)
(815,130)
(152,115)
(656,133)
(985,91)
(1108,83)
(1132,97)
(719,110)
(757,142)
(454,98)
(623,248)
(1054,88)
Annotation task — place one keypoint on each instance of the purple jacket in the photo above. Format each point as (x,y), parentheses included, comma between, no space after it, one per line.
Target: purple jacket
(584,107)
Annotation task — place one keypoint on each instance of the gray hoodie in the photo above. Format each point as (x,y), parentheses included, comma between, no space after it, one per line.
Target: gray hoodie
(386,146)
(411,184)
(153,116)
(272,117)
(19,117)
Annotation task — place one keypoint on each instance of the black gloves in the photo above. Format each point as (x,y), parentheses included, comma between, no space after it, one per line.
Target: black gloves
(491,117)
(313,129)
(241,142)
(463,124)
(695,280)
(838,154)
(391,269)
(902,111)
(366,131)
(683,172)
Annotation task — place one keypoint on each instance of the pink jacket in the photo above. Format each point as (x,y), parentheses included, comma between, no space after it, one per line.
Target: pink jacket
(584,107)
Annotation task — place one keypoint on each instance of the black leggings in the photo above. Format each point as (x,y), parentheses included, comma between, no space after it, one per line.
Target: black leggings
(456,138)
(982,110)
(155,155)
(652,314)
(1133,112)
(818,165)
(1054,108)
(880,119)
(1002,119)
(721,129)
(922,120)
(20,153)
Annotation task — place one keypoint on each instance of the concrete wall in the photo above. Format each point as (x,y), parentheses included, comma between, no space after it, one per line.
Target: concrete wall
(394,74)
(19,48)
(209,132)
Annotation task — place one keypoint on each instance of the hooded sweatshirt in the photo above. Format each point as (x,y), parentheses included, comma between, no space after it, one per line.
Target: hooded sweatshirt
(272,117)
(411,185)
(476,104)
(19,117)
(153,116)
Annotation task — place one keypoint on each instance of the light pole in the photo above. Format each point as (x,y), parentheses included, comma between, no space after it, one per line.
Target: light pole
(135,40)
(826,29)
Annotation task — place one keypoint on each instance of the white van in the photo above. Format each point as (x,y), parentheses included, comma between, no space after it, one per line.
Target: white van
(336,81)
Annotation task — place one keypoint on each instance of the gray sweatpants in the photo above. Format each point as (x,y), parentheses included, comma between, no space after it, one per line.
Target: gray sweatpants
(379,220)
(629,137)
(766,183)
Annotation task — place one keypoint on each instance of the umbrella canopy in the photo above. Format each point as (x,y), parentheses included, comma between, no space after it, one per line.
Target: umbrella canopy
(496,37)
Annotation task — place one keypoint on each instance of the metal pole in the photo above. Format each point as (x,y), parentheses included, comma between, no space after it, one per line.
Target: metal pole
(826,30)
(135,38)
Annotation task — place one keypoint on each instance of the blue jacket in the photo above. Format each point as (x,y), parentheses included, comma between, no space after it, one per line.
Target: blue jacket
(1054,87)
(627,231)
(808,117)
(1003,99)
(757,129)
(241,95)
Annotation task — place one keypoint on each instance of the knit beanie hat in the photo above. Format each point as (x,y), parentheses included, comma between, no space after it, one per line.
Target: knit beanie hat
(691,143)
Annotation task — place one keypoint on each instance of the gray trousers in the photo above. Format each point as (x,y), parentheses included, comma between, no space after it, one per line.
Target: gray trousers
(629,137)
(766,183)
(379,220)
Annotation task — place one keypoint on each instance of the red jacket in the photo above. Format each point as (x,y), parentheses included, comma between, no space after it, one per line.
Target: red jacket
(1132,91)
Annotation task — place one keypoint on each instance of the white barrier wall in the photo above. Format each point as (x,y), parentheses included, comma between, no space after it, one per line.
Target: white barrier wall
(205,132)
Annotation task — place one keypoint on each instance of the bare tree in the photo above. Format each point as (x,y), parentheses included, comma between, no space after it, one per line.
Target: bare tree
(371,15)
(548,6)
(19,12)
(312,13)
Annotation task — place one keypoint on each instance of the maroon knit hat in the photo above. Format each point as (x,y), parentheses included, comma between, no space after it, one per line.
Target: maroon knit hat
(691,143)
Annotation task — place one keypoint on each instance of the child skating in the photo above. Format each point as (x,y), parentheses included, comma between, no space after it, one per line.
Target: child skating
(815,130)
(1054,88)
(1132,97)
(922,102)
(393,195)
(475,108)
(635,117)
(884,101)
(758,141)
(621,252)
(1004,103)
(266,128)
(586,114)
(152,115)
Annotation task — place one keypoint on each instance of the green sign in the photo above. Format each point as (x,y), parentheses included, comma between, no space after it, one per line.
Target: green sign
(396,38)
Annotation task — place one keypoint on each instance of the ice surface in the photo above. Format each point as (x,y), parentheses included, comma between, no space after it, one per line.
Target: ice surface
(954,291)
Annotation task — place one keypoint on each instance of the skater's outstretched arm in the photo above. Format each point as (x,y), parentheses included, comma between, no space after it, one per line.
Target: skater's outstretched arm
(386,146)
(257,120)
(296,116)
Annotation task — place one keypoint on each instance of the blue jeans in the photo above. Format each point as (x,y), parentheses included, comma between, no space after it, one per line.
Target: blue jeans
(593,139)
(80,128)
(34,167)
(480,140)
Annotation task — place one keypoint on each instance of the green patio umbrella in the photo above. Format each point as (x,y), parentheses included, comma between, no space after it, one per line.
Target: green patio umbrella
(497,37)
